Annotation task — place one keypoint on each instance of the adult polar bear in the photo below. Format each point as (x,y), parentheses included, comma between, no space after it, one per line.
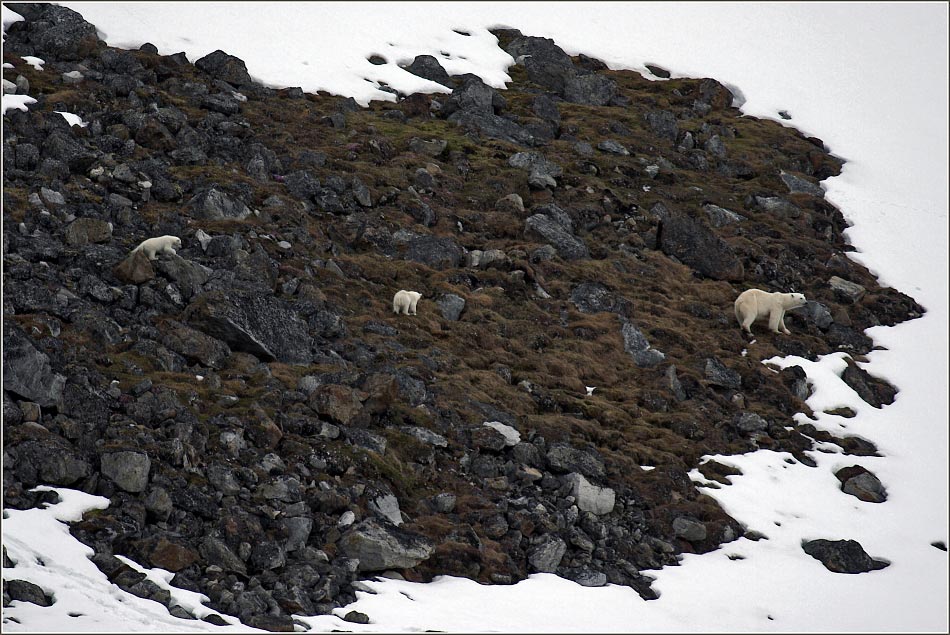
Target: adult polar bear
(405,302)
(159,245)
(755,303)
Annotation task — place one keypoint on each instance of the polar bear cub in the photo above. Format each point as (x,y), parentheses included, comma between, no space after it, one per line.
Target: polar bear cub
(755,303)
(159,245)
(405,302)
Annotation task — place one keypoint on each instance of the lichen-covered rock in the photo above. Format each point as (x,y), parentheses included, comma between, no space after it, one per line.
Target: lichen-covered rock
(379,547)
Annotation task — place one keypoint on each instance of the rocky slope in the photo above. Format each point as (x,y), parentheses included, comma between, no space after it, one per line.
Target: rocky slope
(266,428)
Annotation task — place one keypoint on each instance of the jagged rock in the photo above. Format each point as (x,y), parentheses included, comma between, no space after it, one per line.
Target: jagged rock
(216,552)
(435,252)
(59,146)
(488,258)
(818,313)
(26,371)
(842,556)
(267,555)
(850,291)
(797,184)
(545,229)
(426,436)
(635,343)
(659,71)
(83,231)
(451,306)
(55,32)
(511,435)
(693,244)
(663,124)
(542,173)
(49,462)
(379,547)
(546,556)
(195,346)
(386,506)
(593,297)
(721,217)
(872,390)
(718,374)
(252,323)
(510,203)
(340,403)
(548,65)
(128,470)
(563,458)
(590,498)
(188,276)
(546,108)
(213,204)
(778,205)
(428,67)
(861,484)
(226,67)
(172,556)
(444,503)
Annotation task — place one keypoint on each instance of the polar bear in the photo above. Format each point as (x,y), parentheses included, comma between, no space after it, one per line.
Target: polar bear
(405,302)
(159,245)
(755,303)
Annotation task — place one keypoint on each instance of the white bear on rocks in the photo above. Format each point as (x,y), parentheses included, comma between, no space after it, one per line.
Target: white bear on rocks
(755,303)
(405,302)
(159,245)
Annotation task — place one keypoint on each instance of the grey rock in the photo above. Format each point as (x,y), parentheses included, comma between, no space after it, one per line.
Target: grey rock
(355,617)
(451,306)
(545,229)
(128,470)
(267,555)
(361,193)
(689,529)
(286,489)
(591,498)
(427,147)
(842,556)
(159,503)
(56,32)
(495,258)
(676,387)
(818,313)
(84,231)
(444,503)
(778,205)
(593,297)
(588,577)
(851,291)
(613,147)
(862,484)
(798,184)
(545,556)
(426,436)
(432,251)
(379,547)
(195,346)
(511,202)
(721,217)
(541,171)
(635,343)
(750,423)
(546,108)
(188,276)
(663,124)
(27,371)
(715,146)
(24,591)
(719,375)
(214,204)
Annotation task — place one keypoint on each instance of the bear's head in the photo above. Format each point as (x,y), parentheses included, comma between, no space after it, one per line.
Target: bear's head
(177,242)
(796,300)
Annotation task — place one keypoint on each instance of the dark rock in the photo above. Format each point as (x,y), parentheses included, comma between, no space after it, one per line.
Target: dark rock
(587,577)
(613,147)
(428,67)
(216,552)
(721,217)
(341,404)
(663,124)
(172,556)
(195,346)
(689,529)
(659,71)
(267,555)
(542,173)
(226,67)
(51,463)
(57,33)
(83,231)
(24,591)
(252,323)
(842,556)
(718,374)
(693,244)
(750,423)
(26,371)
(797,184)
(818,313)
(221,103)
(548,65)
(272,623)
(59,146)
(872,390)
(850,291)
(432,251)
(379,547)
(136,268)
(593,297)
(564,458)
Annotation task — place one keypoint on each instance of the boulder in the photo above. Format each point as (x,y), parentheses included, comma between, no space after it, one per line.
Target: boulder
(341,404)
(428,67)
(433,251)
(800,185)
(386,506)
(136,268)
(24,591)
(590,498)
(546,555)
(57,33)
(842,556)
(862,484)
(613,147)
(128,470)
(215,551)
(451,306)
(26,371)
(214,204)
(593,297)
(721,217)
(252,323)
(718,374)
(689,529)
(850,291)
(541,172)
(226,67)
(511,435)
(695,245)
(564,458)
(545,229)
(378,546)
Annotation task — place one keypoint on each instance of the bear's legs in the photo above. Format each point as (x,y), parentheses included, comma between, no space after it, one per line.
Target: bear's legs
(746,322)
(775,319)
(412,307)
(781,324)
